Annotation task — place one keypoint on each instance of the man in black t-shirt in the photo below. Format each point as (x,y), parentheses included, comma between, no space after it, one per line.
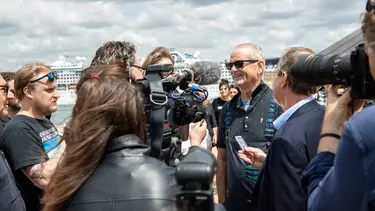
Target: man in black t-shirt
(30,142)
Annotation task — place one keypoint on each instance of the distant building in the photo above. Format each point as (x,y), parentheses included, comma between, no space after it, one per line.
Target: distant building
(269,71)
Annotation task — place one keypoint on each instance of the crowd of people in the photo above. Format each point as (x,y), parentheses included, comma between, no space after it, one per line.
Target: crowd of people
(299,155)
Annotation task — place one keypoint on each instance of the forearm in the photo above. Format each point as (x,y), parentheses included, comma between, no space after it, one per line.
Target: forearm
(40,174)
(329,144)
(215,132)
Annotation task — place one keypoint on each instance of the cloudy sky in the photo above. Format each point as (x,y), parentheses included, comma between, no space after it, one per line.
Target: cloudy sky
(40,30)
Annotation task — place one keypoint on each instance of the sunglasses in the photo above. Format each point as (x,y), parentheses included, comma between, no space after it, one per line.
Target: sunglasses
(51,77)
(5,88)
(370,5)
(239,64)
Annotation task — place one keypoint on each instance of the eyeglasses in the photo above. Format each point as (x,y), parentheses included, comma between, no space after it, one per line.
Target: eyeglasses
(370,5)
(143,70)
(51,77)
(4,88)
(239,64)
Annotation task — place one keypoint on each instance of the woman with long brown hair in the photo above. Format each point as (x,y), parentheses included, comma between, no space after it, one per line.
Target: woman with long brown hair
(105,165)
(159,55)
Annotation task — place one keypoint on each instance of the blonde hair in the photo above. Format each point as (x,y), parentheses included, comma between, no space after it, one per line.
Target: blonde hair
(25,75)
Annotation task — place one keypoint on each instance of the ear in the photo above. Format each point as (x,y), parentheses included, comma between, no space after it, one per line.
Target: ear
(28,92)
(260,67)
(284,80)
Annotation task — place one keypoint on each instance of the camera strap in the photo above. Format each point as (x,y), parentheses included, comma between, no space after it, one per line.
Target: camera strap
(158,100)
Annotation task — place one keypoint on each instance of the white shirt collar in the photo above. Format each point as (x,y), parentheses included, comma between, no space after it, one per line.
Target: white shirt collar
(280,121)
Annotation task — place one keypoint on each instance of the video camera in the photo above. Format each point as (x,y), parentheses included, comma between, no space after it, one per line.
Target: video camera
(196,171)
(195,174)
(183,108)
(347,69)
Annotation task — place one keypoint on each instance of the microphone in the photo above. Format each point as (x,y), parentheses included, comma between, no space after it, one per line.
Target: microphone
(205,73)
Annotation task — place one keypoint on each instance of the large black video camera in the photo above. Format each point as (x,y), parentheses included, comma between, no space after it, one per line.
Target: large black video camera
(183,108)
(167,110)
(195,174)
(347,69)
(196,171)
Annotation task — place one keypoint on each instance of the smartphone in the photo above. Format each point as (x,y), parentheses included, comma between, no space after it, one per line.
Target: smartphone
(241,142)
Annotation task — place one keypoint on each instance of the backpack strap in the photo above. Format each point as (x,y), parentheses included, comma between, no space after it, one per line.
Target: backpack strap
(269,131)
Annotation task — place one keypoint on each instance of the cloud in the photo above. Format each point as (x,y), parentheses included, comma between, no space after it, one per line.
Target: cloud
(43,29)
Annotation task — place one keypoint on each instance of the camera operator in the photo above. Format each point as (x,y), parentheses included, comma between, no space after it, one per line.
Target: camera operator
(105,165)
(159,55)
(119,51)
(341,176)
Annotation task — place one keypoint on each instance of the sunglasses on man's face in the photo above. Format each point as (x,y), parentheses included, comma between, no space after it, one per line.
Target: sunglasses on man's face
(239,64)
(5,88)
(51,77)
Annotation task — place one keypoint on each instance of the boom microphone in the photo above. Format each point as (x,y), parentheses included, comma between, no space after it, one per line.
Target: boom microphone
(204,72)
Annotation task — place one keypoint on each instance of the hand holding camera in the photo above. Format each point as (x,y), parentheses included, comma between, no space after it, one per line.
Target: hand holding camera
(340,107)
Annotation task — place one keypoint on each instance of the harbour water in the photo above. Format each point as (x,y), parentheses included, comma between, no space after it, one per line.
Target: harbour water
(62,114)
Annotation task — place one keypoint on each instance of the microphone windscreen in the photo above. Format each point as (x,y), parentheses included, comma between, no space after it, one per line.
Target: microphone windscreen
(206,72)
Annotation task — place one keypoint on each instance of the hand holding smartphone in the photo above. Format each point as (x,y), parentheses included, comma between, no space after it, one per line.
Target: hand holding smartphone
(241,142)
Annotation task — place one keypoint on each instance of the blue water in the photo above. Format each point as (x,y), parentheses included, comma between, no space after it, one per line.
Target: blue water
(62,114)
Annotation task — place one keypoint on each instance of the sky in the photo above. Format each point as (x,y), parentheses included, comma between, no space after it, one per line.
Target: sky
(41,30)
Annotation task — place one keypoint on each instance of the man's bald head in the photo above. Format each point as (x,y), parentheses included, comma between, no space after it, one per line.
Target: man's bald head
(254,50)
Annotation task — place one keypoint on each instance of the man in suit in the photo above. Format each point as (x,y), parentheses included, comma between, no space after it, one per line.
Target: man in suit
(295,143)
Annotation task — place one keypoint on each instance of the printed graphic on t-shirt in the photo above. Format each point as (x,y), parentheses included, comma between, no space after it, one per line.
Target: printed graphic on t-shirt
(50,139)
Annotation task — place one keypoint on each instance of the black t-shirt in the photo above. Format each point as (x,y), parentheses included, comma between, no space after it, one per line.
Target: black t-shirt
(217,105)
(252,125)
(3,121)
(210,120)
(25,141)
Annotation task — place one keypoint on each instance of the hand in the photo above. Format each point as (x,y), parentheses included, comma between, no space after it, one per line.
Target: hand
(339,109)
(198,133)
(214,140)
(253,156)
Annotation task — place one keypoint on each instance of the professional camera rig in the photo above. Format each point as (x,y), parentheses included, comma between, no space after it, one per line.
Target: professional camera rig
(349,69)
(195,172)
(167,110)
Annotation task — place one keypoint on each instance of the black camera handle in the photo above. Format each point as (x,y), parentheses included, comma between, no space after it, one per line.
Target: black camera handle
(158,100)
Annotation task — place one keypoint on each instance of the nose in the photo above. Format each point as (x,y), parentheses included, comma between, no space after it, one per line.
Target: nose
(233,69)
(57,94)
(10,95)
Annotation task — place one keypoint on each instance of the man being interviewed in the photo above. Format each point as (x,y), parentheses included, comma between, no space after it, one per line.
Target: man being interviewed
(295,144)
(250,115)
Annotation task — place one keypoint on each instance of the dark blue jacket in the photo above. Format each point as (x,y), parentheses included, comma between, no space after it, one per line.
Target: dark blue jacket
(295,144)
(10,197)
(345,181)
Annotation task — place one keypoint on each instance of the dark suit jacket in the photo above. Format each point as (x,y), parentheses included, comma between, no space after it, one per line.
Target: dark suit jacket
(295,144)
